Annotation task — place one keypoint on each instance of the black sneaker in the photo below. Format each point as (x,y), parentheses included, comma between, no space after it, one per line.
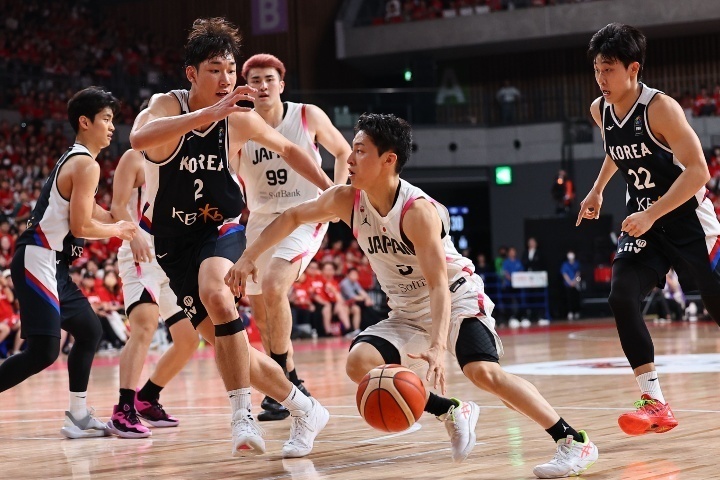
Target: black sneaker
(272,411)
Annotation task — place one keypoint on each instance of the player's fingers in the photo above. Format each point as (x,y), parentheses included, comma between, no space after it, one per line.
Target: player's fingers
(581,213)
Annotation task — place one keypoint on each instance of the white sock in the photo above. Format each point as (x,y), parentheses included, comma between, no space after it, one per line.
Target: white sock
(650,384)
(240,398)
(78,405)
(297,401)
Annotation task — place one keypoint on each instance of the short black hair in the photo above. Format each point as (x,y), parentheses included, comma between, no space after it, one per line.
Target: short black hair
(88,103)
(389,133)
(618,42)
(210,38)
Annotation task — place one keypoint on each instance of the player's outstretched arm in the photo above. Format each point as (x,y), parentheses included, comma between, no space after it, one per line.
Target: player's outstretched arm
(333,203)
(332,140)
(84,177)
(128,175)
(161,123)
(423,227)
(253,127)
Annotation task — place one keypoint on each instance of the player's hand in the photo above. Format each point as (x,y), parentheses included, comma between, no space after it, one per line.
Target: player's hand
(590,207)
(236,277)
(140,250)
(435,357)
(227,105)
(126,230)
(637,224)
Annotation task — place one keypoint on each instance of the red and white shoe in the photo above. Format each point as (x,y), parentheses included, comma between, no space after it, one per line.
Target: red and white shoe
(650,416)
(154,414)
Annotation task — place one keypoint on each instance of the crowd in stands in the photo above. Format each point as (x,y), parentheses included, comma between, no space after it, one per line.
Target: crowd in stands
(398,11)
(50,49)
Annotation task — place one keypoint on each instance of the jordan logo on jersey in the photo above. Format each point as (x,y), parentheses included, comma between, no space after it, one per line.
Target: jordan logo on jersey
(385,244)
(365,222)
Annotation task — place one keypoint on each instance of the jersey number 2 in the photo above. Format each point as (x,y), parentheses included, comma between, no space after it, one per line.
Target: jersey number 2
(198,188)
(641,171)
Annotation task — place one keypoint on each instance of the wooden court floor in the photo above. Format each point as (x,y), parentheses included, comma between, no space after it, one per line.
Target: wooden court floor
(599,387)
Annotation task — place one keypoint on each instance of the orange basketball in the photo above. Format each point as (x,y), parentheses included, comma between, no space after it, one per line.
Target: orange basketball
(391,398)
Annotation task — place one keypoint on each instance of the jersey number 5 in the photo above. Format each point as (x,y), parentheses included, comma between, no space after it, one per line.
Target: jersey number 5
(276,177)
(641,171)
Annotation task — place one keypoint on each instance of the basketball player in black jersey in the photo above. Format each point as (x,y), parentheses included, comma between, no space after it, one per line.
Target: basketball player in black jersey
(670,223)
(191,140)
(65,214)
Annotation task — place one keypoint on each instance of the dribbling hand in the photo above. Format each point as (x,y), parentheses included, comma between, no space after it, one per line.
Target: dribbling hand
(227,105)
(435,357)
(237,275)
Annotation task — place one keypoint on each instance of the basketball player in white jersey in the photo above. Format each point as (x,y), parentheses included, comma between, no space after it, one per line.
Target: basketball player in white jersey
(436,300)
(271,187)
(147,295)
(64,216)
(191,139)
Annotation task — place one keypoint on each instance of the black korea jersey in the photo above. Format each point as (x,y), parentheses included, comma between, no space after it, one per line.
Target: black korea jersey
(648,166)
(195,188)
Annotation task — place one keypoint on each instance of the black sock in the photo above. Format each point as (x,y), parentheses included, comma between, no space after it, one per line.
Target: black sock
(127,397)
(150,392)
(438,405)
(281,359)
(292,376)
(561,430)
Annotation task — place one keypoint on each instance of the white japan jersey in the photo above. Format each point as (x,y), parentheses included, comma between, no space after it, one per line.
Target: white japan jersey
(270,185)
(392,255)
(138,198)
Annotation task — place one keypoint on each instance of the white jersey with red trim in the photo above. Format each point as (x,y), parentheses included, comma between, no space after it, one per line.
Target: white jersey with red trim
(392,257)
(138,198)
(270,185)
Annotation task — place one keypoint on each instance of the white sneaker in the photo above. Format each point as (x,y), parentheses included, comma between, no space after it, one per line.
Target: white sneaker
(543,322)
(525,323)
(86,427)
(514,323)
(460,424)
(571,459)
(247,436)
(305,427)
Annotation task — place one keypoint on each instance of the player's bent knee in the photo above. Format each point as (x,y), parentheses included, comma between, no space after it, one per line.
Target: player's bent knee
(485,375)
(229,328)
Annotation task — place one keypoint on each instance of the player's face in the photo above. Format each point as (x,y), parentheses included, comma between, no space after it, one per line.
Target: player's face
(614,80)
(268,84)
(101,129)
(365,164)
(215,78)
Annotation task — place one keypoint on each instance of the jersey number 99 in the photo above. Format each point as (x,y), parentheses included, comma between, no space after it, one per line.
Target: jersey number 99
(276,177)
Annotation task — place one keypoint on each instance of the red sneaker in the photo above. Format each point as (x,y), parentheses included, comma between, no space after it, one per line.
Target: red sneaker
(651,416)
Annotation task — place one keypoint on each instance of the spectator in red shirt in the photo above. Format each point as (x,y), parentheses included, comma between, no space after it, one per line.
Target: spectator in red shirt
(6,251)
(9,320)
(331,301)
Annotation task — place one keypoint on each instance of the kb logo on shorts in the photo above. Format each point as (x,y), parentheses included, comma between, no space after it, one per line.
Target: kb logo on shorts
(188,301)
(640,242)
